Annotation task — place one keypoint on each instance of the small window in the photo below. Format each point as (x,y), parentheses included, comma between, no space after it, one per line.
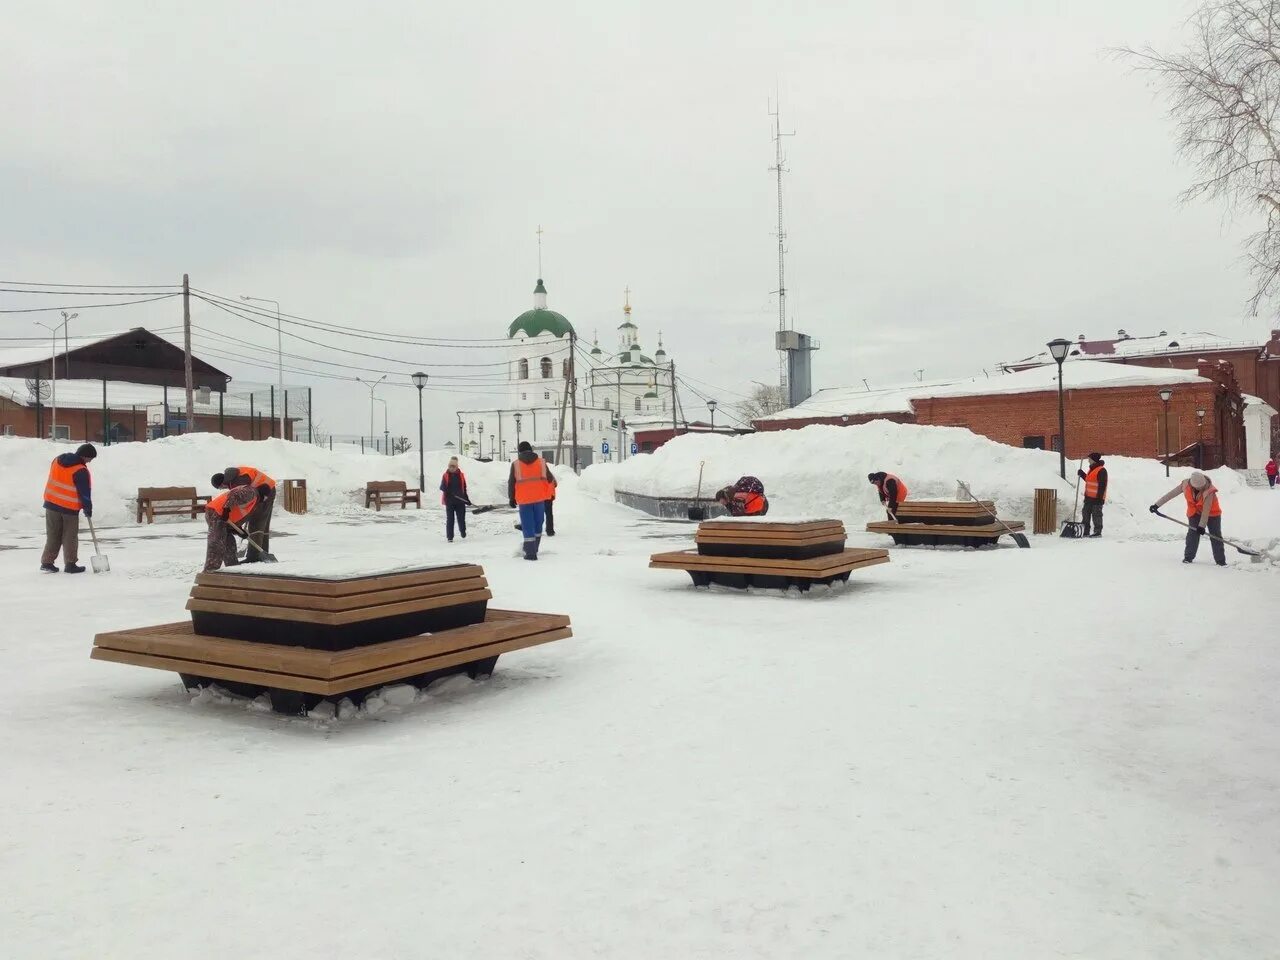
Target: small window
(524,369)
(523,396)
(1055,443)
(564,369)
(471,426)
(61,431)
(546,394)
(637,403)
(1033,443)
(546,368)
(608,404)
(554,422)
(10,430)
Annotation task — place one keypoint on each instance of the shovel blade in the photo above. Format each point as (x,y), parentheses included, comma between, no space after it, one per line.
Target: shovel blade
(697,513)
(100,563)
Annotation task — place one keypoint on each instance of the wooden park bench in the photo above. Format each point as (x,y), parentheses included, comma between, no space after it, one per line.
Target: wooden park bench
(378,492)
(302,639)
(934,523)
(756,553)
(169,502)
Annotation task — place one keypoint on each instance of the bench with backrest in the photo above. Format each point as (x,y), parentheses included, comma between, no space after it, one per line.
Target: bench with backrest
(378,492)
(756,553)
(302,639)
(169,502)
(935,523)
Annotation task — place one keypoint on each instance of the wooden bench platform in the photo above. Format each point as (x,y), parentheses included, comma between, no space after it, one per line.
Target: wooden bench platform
(169,502)
(945,534)
(336,613)
(297,678)
(378,492)
(947,512)
(781,541)
(742,572)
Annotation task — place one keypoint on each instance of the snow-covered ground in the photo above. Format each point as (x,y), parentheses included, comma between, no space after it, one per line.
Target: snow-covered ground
(1069,751)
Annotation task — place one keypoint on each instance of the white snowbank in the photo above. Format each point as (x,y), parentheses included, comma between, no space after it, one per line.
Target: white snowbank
(335,480)
(822,471)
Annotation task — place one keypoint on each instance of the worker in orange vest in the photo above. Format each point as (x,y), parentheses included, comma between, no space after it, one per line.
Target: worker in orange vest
(233,505)
(259,522)
(67,492)
(529,486)
(744,499)
(551,513)
(1095,493)
(1204,515)
(893,492)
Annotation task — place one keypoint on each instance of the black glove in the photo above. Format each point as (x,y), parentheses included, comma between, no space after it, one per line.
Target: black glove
(511,504)
(88,513)
(1153,508)
(265,492)
(1080,474)
(1201,530)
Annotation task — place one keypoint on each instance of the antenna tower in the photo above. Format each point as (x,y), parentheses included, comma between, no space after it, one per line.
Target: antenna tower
(779,167)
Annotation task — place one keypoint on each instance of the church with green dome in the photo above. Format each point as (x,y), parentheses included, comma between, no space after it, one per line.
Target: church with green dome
(618,391)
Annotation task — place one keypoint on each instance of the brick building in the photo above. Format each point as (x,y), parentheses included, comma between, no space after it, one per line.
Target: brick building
(114,388)
(1112,408)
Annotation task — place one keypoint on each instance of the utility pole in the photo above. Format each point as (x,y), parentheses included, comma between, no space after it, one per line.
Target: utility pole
(675,425)
(779,168)
(186,351)
(573,386)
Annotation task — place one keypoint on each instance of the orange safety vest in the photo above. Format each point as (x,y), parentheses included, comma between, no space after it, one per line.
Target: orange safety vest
(60,488)
(902,488)
(1091,483)
(238,513)
(256,477)
(531,481)
(752,503)
(1195,500)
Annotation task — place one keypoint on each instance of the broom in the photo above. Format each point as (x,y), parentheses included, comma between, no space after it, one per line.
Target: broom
(1073,529)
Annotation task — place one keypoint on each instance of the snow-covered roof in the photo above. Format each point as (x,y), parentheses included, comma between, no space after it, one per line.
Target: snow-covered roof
(1159,345)
(41,351)
(1251,401)
(1081,375)
(87,394)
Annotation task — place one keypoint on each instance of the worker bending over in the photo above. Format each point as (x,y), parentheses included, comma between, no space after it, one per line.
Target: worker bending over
(893,492)
(233,505)
(744,499)
(1204,515)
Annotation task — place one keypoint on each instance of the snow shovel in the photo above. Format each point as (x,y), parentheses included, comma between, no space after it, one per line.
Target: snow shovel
(1255,556)
(1073,529)
(98,561)
(266,557)
(698,513)
(1019,538)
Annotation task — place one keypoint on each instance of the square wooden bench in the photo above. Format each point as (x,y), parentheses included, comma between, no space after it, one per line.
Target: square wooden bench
(755,553)
(378,492)
(304,637)
(938,523)
(169,502)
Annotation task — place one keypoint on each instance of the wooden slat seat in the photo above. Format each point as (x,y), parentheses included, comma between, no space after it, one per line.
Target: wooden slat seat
(767,572)
(340,612)
(297,678)
(942,534)
(960,512)
(783,541)
(169,502)
(378,492)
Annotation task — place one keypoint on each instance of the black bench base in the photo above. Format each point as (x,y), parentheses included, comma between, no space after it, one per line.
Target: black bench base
(741,581)
(943,540)
(325,637)
(296,703)
(771,552)
(905,516)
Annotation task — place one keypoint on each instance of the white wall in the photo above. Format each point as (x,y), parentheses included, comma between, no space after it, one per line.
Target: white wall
(1257,434)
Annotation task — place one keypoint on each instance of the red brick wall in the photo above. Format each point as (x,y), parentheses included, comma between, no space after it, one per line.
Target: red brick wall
(766,425)
(1119,420)
(87,424)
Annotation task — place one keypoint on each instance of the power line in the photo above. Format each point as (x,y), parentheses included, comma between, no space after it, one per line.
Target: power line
(98,286)
(89,306)
(79,293)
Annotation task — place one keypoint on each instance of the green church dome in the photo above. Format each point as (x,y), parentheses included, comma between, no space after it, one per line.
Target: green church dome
(540,320)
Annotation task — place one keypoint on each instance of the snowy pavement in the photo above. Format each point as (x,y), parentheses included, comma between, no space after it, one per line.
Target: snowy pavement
(1068,751)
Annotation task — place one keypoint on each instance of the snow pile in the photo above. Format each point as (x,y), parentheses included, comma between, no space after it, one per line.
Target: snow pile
(335,480)
(823,470)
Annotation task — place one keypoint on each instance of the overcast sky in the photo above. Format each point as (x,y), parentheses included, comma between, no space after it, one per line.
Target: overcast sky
(968,180)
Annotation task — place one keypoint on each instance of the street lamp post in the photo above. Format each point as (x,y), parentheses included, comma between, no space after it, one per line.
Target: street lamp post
(711,405)
(53,369)
(1165,396)
(420,380)
(1200,439)
(460,448)
(372,386)
(491,446)
(1058,350)
(386,433)
(280,361)
(518,419)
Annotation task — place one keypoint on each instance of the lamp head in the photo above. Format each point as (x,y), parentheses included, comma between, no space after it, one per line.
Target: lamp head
(419,379)
(1166,394)
(1058,349)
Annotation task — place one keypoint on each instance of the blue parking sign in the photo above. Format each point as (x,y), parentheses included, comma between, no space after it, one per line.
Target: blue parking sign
(634,449)
(604,448)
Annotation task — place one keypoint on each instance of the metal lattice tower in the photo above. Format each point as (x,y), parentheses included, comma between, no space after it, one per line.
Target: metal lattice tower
(779,168)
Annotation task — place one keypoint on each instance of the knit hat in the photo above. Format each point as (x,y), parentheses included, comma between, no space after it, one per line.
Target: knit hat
(217,480)
(1198,480)
(86,451)
(525,447)
(1095,457)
